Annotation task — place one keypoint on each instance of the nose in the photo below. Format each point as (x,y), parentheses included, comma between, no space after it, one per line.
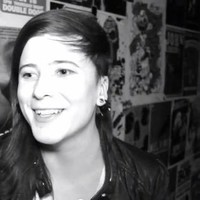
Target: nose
(43,88)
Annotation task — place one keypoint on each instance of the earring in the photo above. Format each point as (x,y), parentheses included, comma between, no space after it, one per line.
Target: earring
(104,108)
(102,101)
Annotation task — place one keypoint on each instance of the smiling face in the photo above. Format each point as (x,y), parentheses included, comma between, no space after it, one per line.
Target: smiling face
(58,89)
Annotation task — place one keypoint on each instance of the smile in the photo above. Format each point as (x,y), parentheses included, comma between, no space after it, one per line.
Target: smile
(47,112)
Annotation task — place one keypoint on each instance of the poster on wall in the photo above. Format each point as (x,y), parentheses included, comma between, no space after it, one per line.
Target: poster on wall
(14,13)
(191,133)
(191,62)
(174,59)
(112,6)
(184,13)
(192,14)
(114,27)
(7,39)
(183,179)
(118,120)
(146,45)
(160,130)
(137,125)
(54,5)
(83,3)
(176,12)
(195,124)
(195,180)
(117,7)
(179,128)
(172,183)
(59,4)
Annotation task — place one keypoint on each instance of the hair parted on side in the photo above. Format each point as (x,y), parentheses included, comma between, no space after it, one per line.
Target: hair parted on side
(20,154)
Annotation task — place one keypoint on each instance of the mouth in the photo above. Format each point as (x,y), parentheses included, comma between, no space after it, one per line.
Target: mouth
(47,113)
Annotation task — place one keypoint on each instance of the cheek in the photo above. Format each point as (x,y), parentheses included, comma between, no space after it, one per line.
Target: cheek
(24,103)
(20,95)
(23,93)
(79,88)
(21,99)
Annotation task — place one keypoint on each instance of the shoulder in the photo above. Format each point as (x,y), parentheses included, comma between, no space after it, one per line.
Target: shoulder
(144,167)
(134,156)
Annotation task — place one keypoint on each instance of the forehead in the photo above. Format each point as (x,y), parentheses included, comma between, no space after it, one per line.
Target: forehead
(47,48)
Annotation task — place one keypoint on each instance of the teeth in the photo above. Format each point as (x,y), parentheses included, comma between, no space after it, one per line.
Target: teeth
(47,112)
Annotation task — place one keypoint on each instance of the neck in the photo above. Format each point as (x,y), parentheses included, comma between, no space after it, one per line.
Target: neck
(74,157)
(76,167)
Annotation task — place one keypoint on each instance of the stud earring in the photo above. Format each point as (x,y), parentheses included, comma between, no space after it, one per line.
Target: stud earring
(102,101)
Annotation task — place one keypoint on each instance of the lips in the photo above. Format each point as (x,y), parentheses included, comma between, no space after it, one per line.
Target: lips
(47,113)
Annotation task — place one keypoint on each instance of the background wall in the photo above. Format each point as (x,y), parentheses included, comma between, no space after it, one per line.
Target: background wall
(155,77)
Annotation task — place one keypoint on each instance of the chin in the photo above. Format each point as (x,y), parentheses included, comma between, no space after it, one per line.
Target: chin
(47,138)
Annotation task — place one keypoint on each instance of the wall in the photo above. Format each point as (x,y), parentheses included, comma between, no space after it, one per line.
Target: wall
(155,85)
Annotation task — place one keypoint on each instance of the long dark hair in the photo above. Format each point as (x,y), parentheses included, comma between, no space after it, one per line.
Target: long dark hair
(22,169)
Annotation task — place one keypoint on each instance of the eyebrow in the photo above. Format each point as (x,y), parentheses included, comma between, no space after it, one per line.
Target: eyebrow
(64,61)
(52,63)
(27,65)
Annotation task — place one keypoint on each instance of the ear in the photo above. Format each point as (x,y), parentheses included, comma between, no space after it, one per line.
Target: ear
(102,95)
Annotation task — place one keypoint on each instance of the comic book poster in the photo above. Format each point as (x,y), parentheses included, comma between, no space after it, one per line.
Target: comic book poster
(172,183)
(145,48)
(176,12)
(191,62)
(195,180)
(179,128)
(183,179)
(174,59)
(114,27)
(137,125)
(160,130)
(7,39)
(192,14)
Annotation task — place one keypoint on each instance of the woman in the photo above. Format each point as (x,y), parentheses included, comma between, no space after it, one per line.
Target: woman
(61,146)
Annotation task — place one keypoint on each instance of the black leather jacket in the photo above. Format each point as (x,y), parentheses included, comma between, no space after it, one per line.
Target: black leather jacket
(131,174)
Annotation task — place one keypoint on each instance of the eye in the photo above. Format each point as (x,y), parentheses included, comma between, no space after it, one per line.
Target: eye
(64,72)
(28,75)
